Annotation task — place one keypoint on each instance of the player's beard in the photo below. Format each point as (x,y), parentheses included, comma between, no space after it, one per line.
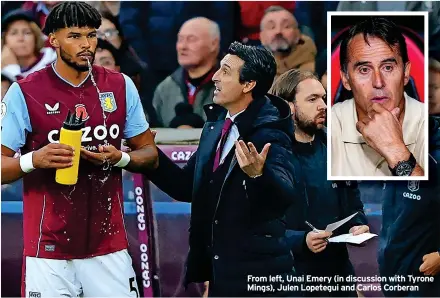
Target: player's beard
(67,58)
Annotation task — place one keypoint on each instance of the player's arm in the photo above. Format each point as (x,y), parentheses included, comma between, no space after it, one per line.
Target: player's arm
(143,155)
(15,126)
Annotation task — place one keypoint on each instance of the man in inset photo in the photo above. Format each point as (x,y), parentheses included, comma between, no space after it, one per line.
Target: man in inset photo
(380,131)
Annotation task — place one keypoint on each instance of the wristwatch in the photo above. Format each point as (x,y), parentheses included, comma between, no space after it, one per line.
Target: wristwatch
(404,167)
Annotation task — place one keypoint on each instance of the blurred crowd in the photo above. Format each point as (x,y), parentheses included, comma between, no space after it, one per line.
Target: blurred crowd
(172,49)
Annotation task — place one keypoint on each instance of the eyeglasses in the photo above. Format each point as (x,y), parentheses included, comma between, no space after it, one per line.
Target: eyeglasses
(109,33)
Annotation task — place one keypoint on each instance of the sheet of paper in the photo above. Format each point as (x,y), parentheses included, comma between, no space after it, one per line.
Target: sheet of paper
(335,225)
(349,238)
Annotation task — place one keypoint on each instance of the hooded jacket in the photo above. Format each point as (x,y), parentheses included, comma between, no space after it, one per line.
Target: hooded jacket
(247,226)
(411,223)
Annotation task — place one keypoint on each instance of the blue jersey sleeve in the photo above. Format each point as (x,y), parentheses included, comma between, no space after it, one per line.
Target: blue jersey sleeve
(135,122)
(15,119)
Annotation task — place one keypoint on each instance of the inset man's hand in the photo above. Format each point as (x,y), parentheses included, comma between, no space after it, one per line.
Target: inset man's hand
(250,161)
(382,131)
(317,242)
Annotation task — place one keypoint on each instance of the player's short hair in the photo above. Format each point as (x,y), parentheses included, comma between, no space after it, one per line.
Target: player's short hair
(378,27)
(286,85)
(259,66)
(72,14)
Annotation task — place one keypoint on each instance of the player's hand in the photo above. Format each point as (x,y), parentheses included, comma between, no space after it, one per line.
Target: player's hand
(107,154)
(53,156)
(357,230)
(250,161)
(8,56)
(382,131)
(431,264)
(317,241)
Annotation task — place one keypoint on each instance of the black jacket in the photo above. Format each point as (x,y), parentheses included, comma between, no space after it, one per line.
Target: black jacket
(247,226)
(411,223)
(327,202)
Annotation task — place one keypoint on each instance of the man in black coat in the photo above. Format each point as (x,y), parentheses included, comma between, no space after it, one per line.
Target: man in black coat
(238,195)
(326,201)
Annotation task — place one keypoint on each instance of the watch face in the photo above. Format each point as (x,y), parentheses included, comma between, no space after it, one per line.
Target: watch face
(404,169)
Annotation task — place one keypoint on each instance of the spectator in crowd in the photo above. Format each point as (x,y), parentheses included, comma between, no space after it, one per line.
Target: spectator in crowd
(250,15)
(434,87)
(186,118)
(23,50)
(107,56)
(197,51)
(151,28)
(130,63)
(39,10)
(6,83)
(281,35)
(103,7)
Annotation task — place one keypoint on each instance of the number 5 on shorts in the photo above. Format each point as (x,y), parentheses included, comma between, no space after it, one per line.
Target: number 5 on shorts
(133,286)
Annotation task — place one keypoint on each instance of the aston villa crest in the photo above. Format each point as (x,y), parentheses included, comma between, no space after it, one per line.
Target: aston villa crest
(413,185)
(108,102)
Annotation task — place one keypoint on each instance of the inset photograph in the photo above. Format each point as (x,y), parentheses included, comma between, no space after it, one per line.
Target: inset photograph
(378,83)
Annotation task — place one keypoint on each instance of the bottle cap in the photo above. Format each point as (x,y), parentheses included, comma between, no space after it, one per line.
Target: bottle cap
(74,123)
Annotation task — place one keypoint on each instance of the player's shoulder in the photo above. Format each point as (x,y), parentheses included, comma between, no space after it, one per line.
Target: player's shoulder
(36,77)
(107,73)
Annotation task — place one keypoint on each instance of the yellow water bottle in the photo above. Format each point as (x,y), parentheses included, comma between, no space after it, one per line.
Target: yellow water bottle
(71,134)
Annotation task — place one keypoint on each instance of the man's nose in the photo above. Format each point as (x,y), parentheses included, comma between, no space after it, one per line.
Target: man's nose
(322,105)
(378,81)
(215,76)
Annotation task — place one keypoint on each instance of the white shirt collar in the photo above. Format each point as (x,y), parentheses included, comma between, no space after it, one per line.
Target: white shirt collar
(235,116)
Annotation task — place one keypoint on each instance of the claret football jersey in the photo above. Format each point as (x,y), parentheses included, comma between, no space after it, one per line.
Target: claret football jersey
(85,219)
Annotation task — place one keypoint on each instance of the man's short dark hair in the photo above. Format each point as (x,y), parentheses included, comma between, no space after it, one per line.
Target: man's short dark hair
(105,45)
(72,14)
(259,66)
(286,84)
(378,27)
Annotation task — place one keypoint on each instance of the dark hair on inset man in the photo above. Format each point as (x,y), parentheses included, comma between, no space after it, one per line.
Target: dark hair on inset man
(259,66)
(286,85)
(72,14)
(378,27)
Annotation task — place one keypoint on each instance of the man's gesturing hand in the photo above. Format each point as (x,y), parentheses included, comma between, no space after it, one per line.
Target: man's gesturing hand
(107,153)
(382,131)
(53,156)
(250,161)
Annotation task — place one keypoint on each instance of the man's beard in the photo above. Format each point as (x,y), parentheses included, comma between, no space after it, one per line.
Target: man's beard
(303,123)
(280,44)
(68,60)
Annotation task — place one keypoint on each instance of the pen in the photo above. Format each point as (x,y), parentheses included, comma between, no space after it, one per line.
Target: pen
(312,227)
(315,229)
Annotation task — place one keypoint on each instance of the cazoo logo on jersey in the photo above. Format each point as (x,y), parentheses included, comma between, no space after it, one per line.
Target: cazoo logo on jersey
(99,133)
